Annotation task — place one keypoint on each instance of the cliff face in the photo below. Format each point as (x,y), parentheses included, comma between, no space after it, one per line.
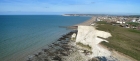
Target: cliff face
(88,35)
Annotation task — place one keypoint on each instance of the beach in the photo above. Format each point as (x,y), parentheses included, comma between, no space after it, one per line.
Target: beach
(88,22)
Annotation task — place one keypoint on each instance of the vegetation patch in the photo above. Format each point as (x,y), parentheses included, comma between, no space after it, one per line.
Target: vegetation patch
(135,24)
(73,39)
(101,22)
(84,46)
(135,31)
(124,40)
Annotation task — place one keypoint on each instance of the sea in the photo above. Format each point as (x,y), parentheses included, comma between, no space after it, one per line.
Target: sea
(24,35)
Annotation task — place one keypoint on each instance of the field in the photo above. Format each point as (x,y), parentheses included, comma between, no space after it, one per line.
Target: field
(126,41)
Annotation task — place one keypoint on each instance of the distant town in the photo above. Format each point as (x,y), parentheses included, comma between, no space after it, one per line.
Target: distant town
(126,21)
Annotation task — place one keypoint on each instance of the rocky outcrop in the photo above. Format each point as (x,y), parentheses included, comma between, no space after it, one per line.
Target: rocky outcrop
(88,35)
(73,37)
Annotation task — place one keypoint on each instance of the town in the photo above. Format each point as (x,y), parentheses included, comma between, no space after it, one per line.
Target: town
(126,21)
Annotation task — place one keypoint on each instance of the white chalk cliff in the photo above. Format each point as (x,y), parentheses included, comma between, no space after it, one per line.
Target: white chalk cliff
(88,35)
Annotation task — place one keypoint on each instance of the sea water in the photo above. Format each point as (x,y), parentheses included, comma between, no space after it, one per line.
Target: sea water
(22,35)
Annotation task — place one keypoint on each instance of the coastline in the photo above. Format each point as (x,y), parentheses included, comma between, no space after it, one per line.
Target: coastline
(26,38)
(65,49)
(64,41)
(85,23)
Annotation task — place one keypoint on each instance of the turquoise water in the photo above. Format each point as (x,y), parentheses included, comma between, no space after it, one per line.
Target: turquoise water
(22,34)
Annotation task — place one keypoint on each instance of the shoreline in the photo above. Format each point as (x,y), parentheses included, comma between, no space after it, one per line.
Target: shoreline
(52,45)
(85,23)
(64,49)
(43,38)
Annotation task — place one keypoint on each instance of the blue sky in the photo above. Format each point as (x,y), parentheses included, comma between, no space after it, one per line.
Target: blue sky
(48,7)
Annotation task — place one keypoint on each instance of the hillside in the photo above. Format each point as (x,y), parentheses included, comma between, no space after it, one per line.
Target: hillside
(126,41)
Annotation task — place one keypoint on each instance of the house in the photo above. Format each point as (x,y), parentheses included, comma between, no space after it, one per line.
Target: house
(98,19)
(138,21)
(134,20)
(120,22)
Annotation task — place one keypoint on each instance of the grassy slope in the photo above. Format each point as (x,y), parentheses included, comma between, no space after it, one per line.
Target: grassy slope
(123,40)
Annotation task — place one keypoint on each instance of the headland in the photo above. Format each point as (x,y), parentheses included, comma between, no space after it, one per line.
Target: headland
(81,44)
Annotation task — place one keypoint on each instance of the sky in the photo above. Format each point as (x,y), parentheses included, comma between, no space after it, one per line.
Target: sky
(56,7)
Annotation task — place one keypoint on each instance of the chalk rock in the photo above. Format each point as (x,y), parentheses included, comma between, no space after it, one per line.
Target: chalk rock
(73,37)
(88,35)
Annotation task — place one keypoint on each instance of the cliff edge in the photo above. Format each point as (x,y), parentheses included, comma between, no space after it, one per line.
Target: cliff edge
(88,35)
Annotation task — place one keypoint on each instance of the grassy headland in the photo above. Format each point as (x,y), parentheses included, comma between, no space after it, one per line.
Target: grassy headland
(124,40)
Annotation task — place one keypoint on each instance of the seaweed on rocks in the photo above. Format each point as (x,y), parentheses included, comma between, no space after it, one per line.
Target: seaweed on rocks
(62,38)
(94,59)
(55,44)
(29,59)
(59,40)
(39,53)
(65,36)
(56,50)
(45,50)
(57,58)
(51,46)
(36,55)
(46,59)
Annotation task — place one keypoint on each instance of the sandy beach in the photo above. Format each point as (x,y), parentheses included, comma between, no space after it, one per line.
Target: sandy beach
(88,22)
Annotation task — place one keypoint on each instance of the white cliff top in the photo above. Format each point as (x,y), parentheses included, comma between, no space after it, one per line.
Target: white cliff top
(88,35)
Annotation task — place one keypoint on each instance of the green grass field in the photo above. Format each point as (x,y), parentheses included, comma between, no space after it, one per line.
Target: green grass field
(124,40)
